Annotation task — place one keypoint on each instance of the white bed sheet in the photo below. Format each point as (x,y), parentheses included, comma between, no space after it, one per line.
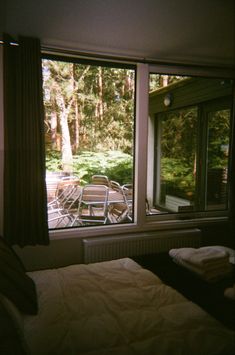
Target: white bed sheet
(119,308)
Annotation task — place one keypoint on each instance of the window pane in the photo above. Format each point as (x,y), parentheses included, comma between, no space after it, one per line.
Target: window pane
(188,146)
(89,131)
(178,160)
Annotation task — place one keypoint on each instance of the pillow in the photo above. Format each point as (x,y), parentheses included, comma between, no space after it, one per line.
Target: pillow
(15,284)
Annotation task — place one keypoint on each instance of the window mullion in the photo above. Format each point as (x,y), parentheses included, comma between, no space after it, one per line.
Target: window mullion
(141,142)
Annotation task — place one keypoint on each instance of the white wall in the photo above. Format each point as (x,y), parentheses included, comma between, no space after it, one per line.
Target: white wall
(60,252)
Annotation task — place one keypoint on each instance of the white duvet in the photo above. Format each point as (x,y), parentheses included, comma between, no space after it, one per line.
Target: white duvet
(118,308)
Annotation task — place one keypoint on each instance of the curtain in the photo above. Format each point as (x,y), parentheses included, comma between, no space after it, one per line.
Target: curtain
(232,183)
(25,198)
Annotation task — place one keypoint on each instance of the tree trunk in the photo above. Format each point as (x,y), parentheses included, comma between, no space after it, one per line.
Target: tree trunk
(53,130)
(76,128)
(100,91)
(67,156)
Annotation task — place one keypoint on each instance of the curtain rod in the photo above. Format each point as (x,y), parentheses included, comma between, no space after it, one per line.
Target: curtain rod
(227,70)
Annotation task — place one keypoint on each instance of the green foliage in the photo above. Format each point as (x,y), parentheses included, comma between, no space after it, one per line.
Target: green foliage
(177,175)
(53,161)
(120,167)
(116,165)
(218,139)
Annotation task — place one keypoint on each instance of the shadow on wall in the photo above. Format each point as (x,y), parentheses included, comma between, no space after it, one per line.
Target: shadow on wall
(59,253)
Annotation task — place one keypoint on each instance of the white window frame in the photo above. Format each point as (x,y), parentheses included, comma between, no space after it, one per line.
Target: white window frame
(141,139)
(195,218)
(142,167)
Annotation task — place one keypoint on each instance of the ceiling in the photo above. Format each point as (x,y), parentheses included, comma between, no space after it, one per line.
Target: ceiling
(186,31)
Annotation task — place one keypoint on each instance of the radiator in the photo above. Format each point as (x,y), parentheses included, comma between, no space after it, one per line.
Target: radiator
(114,247)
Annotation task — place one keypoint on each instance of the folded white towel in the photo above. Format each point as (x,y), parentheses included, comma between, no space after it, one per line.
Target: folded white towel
(230,251)
(210,275)
(216,264)
(201,256)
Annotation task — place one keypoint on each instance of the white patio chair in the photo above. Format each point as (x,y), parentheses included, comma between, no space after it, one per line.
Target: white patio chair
(93,205)
(118,211)
(128,196)
(100,180)
(61,210)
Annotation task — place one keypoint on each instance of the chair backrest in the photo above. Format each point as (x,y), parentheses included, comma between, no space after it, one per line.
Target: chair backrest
(100,180)
(115,186)
(128,193)
(65,189)
(93,204)
(94,194)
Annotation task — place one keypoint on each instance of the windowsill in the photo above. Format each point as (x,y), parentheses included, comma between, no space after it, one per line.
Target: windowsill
(150,224)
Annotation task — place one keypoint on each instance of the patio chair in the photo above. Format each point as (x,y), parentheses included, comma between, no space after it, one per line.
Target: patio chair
(118,213)
(63,191)
(128,196)
(115,186)
(61,209)
(93,205)
(118,210)
(100,180)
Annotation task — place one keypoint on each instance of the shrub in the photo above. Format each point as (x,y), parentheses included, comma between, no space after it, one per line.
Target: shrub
(116,165)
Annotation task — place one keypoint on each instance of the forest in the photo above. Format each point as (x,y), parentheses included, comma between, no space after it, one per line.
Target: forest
(89,126)
(89,119)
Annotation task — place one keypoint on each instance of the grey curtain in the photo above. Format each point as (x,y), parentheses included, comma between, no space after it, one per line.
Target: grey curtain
(25,208)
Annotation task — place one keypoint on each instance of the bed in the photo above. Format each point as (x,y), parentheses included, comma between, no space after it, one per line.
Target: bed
(111,307)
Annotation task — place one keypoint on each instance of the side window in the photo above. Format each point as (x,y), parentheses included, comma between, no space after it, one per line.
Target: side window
(89,137)
(189,153)
(175,169)
(217,159)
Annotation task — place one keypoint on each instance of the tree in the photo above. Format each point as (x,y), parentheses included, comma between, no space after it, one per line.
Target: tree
(59,80)
(93,105)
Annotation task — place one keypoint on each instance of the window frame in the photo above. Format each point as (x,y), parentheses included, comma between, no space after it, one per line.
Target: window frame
(200,217)
(54,232)
(143,222)
(203,109)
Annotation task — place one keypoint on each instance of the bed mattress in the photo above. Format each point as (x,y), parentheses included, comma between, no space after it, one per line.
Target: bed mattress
(117,307)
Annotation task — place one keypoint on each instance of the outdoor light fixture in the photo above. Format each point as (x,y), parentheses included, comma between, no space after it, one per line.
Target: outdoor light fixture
(168,99)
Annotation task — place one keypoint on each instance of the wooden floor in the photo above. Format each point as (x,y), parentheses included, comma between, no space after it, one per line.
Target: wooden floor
(210,296)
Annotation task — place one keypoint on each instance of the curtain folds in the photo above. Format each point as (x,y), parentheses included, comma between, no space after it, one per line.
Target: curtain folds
(232,181)
(25,199)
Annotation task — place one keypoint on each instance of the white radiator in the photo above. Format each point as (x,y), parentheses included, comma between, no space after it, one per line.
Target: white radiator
(114,247)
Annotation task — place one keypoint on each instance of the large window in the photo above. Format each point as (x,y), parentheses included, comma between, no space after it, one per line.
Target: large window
(89,135)
(183,128)
(189,154)
(181,133)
